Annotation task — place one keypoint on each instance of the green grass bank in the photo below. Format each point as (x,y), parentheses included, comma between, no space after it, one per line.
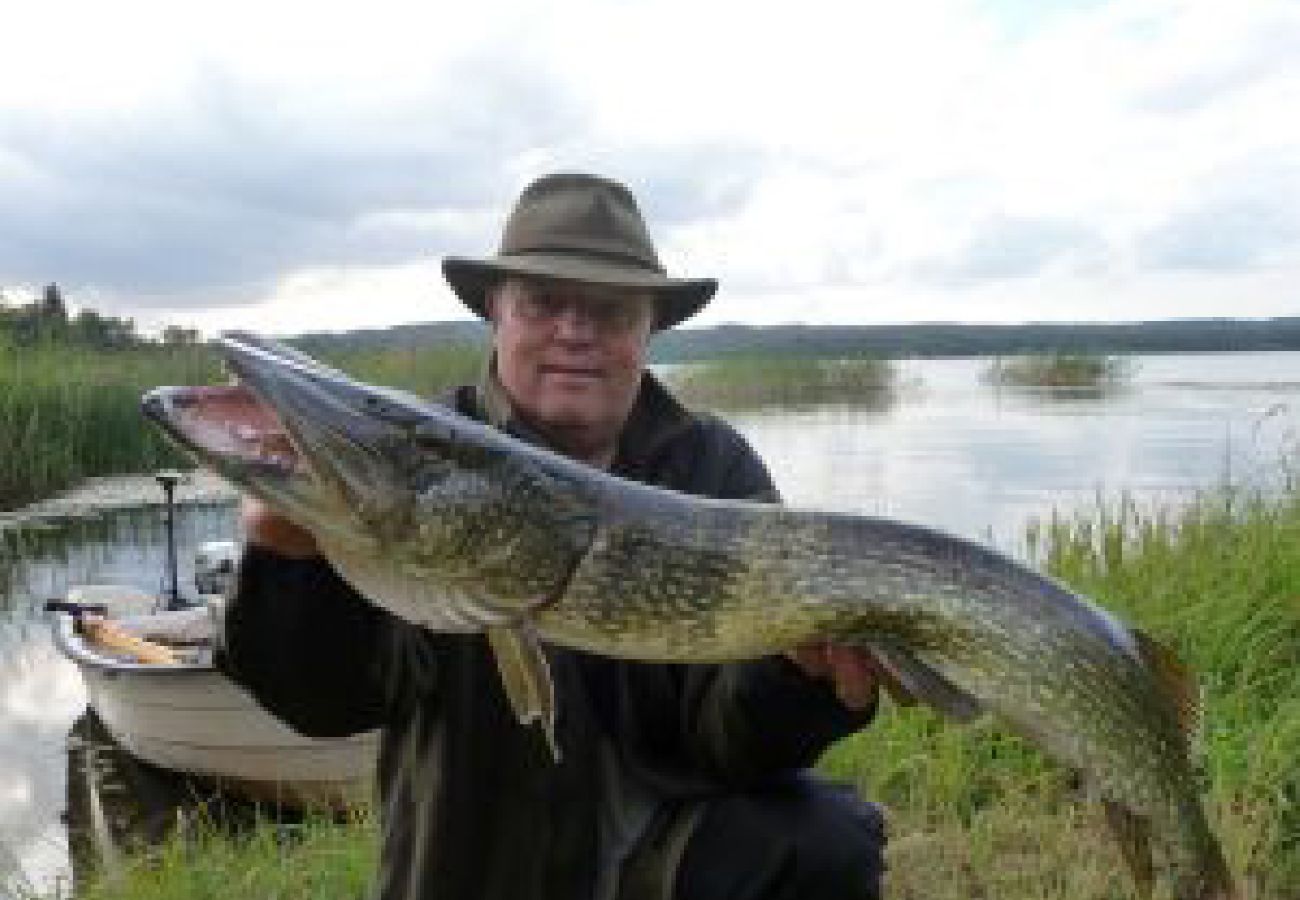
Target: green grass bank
(975,812)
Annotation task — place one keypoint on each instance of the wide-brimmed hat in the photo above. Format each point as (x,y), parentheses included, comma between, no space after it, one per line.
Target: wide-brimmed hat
(581,228)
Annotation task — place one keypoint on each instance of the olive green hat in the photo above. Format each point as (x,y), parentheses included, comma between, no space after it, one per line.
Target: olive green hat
(581,228)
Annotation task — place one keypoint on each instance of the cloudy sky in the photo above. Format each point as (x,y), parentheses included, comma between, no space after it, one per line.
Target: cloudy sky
(298,167)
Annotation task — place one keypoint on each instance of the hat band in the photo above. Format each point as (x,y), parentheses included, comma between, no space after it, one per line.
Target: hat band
(608,256)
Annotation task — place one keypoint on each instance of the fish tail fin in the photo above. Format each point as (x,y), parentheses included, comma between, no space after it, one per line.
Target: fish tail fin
(1133,834)
(1178,685)
(1209,877)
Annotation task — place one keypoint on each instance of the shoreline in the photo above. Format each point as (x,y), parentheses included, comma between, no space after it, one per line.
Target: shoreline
(110,493)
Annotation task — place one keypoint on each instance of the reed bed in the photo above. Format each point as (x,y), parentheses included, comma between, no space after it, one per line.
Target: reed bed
(742,381)
(426,371)
(67,413)
(1061,370)
(975,812)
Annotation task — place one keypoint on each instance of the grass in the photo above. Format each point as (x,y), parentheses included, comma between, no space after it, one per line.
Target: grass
(973,811)
(424,371)
(319,859)
(740,380)
(1060,370)
(67,413)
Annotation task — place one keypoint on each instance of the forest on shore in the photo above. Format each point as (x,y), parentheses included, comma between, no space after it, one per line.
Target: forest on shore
(891,341)
(48,320)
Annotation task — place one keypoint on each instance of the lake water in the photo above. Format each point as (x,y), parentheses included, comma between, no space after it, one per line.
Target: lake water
(953,452)
(946,450)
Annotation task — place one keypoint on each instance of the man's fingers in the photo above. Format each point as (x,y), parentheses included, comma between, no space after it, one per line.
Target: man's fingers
(266,528)
(811,658)
(854,672)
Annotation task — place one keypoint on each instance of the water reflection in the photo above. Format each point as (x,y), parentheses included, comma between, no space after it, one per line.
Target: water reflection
(1042,395)
(127,547)
(41,693)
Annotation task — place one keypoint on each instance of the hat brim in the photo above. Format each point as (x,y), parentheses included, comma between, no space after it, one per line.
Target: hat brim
(677,299)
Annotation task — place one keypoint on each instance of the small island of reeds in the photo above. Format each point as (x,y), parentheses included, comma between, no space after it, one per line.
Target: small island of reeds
(743,380)
(1060,370)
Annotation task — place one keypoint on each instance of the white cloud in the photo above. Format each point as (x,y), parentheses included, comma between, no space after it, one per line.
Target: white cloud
(268,160)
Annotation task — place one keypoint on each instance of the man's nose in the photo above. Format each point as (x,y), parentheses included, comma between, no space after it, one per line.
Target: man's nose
(576,323)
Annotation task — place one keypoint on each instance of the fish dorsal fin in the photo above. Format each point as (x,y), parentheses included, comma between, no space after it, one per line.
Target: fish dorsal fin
(526,676)
(1176,683)
(1133,834)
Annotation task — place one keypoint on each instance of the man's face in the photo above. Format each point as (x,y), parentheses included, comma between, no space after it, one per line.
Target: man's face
(570,356)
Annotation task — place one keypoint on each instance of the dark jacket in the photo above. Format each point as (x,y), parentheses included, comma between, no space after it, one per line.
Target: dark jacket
(473,806)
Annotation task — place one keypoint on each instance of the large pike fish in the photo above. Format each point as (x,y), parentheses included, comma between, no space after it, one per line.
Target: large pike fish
(454,525)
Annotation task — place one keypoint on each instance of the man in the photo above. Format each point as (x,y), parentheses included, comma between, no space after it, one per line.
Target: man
(676,782)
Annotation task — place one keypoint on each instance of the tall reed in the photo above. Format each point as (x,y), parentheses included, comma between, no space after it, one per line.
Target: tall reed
(67,413)
(1061,370)
(426,371)
(741,380)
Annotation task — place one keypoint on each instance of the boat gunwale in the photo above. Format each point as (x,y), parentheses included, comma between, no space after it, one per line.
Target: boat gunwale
(74,646)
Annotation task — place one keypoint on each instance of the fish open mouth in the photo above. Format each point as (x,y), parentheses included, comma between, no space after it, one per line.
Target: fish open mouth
(226,422)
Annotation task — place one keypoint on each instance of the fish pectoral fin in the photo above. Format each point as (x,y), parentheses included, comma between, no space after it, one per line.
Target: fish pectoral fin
(526,676)
(910,680)
(1133,834)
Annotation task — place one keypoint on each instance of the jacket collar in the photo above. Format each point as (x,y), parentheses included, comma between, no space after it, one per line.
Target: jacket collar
(656,418)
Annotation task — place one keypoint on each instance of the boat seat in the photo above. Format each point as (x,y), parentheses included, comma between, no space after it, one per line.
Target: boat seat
(119,599)
(177,627)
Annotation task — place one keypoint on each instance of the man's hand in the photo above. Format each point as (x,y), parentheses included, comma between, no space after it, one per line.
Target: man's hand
(264,527)
(853,671)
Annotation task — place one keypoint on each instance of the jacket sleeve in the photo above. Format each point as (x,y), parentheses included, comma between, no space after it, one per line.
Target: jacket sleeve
(743,723)
(312,651)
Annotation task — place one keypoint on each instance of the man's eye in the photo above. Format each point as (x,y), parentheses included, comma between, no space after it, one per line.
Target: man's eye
(540,306)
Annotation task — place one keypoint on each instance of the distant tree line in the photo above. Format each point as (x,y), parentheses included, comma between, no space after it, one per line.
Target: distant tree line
(954,340)
(886,341)
(47,320)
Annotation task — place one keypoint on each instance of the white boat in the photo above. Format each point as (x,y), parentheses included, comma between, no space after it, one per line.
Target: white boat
(180,713)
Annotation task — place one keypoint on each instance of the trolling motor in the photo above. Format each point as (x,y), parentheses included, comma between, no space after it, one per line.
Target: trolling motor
(171,589)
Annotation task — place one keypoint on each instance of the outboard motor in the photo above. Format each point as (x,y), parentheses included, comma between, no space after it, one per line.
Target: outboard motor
(214,566)
(171,593)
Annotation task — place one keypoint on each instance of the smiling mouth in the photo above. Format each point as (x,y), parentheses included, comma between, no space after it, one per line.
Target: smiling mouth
(571,371)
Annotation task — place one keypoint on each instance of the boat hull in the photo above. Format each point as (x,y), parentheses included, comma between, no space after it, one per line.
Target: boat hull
(191,718)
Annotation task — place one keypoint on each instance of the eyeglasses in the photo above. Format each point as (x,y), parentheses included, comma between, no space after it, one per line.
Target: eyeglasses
(611,311)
